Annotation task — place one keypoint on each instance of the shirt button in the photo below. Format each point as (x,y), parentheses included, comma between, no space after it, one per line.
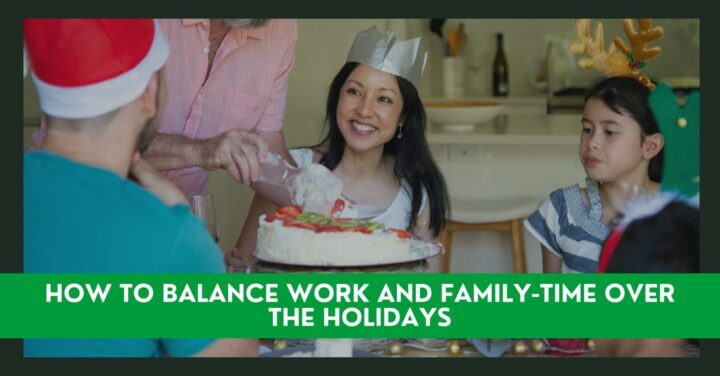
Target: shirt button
(206,50)
(205,22)
(682,122)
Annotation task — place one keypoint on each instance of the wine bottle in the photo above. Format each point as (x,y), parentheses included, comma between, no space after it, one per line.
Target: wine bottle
(500,70)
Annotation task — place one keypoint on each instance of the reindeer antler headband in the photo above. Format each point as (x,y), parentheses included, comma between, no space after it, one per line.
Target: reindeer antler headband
(625,62)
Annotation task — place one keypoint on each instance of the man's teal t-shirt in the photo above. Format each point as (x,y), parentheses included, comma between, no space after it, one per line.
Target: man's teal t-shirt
(83,219)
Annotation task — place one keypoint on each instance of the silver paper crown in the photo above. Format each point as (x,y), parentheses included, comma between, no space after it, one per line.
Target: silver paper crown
(384,53)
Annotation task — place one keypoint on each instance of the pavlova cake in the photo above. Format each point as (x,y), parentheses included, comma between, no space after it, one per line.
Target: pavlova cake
(291,236)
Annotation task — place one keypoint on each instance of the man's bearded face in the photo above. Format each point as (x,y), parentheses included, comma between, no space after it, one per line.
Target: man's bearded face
(151,126)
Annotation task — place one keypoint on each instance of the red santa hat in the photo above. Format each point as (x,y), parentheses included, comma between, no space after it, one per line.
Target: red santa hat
(88,67)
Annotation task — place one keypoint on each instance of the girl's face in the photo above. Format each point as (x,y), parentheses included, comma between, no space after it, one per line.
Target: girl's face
(611,144)
(369,108)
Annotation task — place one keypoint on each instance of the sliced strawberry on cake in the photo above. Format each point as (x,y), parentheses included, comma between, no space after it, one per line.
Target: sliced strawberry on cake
(402,234)
(337,208)
(293,210)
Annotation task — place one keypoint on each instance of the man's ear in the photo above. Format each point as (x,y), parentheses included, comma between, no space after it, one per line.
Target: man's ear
(148,99)
(652,145)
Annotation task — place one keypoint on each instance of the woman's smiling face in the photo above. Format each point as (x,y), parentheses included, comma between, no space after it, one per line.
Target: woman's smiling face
(369,108)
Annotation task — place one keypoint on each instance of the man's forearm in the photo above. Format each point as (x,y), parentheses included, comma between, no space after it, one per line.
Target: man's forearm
(172,152)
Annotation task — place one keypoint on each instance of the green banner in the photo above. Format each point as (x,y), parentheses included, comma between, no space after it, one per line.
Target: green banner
(360,306)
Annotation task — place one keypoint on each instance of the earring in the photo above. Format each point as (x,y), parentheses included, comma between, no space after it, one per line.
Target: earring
(399,132)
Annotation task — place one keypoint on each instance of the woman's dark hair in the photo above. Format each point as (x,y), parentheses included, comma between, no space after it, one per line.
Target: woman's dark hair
(627,96)
(413,161)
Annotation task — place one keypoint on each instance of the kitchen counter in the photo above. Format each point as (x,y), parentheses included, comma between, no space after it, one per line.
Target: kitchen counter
(512,129)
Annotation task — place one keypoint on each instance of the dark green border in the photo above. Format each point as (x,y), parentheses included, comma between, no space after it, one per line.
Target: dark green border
(11,156)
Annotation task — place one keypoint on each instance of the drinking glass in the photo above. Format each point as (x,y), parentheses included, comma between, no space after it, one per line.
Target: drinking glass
(204,208)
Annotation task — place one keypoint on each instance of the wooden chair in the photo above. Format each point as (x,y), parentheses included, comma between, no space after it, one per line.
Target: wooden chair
(503,214)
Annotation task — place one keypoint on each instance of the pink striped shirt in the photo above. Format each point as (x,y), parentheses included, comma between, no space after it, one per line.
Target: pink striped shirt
(246,88)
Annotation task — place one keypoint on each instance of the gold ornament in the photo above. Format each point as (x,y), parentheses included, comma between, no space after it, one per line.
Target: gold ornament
(591,344)
(454,348)
(520,348)
(538,346)
(396,348)
(279,344)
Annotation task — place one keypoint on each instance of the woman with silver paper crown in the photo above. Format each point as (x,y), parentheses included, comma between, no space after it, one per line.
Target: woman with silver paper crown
(375,143)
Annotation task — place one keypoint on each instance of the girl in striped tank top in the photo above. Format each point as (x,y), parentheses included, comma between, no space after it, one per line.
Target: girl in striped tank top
(621,150)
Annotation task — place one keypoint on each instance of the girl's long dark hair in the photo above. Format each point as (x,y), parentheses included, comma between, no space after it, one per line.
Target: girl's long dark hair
(413,161)
(627,96)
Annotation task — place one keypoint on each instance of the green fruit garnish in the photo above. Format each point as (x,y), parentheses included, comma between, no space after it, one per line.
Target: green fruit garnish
(372,226)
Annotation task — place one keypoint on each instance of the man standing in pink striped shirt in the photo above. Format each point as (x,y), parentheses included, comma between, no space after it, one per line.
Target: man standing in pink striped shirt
(227,82)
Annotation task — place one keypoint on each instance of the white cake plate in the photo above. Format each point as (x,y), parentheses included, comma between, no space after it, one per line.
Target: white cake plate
(418,251)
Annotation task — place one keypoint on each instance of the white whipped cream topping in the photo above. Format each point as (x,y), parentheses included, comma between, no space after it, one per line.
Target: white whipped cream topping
(315,188)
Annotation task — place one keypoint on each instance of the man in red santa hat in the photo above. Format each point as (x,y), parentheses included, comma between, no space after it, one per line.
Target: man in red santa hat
(91,204)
